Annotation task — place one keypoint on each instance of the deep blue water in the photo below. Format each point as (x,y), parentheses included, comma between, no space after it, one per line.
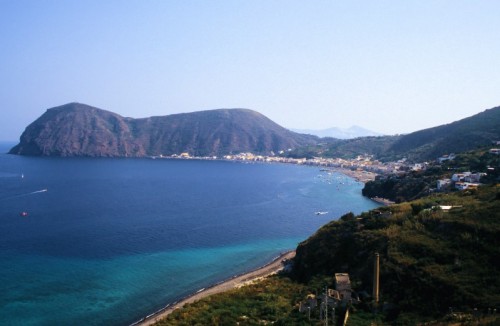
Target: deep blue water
(112,240)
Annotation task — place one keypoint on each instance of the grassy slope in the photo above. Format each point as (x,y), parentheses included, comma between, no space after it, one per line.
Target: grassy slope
(270,300)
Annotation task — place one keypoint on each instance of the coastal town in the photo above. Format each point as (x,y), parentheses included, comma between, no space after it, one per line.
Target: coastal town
(363,168)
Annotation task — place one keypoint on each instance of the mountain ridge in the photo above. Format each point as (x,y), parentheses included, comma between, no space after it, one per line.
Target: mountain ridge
(470,133)
(458,136)
(76,129)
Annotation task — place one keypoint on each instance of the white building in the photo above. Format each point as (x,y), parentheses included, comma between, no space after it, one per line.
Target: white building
(459,177)
(445,158)
(442,184)
(466,185)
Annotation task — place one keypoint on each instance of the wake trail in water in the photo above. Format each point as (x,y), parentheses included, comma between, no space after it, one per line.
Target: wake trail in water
(24,195)
(36,192)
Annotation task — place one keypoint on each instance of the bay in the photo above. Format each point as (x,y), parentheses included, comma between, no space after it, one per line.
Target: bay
(108,241)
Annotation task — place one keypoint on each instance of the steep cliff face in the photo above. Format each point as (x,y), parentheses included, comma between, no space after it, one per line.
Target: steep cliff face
(80,130)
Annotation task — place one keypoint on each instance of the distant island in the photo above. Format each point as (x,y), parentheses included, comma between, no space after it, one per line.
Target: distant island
(340,133)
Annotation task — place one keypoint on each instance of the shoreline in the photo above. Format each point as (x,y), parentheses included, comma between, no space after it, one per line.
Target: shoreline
(246,278)
(236,281)
(383,201)
(360,176)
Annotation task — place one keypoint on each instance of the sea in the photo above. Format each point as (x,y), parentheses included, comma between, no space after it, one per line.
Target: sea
(98,241)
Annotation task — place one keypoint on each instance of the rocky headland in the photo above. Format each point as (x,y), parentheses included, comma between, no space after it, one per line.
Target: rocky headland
(77,129)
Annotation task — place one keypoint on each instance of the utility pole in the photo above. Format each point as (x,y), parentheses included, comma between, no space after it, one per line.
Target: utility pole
(326,305)
(376,276)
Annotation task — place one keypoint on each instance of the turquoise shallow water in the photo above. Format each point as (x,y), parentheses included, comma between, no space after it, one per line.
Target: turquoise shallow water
(112,240)
(98,291)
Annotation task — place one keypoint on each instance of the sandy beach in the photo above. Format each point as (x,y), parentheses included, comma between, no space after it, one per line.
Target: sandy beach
(361,176)
(235,282)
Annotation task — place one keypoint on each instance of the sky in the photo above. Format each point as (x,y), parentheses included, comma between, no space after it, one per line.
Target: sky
(389,66)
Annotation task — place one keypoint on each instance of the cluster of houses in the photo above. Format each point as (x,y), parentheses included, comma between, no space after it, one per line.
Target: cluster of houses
(461,181)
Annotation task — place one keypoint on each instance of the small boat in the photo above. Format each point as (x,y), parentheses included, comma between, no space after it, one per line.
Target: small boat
(321,213)
(23,214)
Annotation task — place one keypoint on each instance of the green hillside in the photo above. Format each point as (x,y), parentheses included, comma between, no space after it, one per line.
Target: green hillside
(346,148)
(467,134)
(460,136)
(431,260)
(417,184)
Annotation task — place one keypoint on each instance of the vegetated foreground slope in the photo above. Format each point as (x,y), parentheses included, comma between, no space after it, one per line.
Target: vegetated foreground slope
(431,259)
(80,130)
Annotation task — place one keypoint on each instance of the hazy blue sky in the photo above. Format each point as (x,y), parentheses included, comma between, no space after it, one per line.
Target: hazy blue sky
(390,66)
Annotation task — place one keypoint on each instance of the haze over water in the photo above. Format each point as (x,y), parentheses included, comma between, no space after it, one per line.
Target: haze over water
(112,240)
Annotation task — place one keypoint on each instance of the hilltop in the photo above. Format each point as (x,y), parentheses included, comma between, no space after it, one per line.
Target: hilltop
(77,129)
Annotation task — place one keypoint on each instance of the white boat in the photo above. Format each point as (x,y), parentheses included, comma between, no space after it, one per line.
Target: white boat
(321,213)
